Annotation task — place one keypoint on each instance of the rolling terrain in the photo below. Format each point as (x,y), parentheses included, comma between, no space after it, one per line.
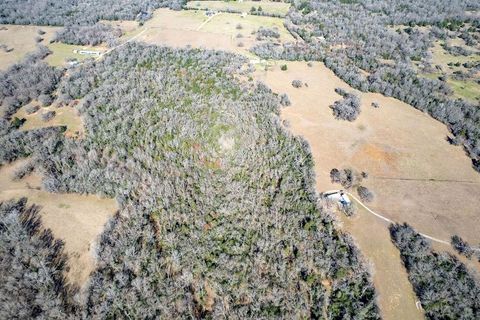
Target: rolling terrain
(183,164)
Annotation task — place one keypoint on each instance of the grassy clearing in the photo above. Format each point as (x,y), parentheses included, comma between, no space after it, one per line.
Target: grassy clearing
(180,20)
(226,23)
(76,219)
(63,52)
(280,8)
(469,90)
(65,116)
(442,58)
(22,40)
(187,28)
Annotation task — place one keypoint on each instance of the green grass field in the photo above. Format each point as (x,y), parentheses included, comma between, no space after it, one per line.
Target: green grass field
(469,89)
(443,58)
(65,116)
(278,8)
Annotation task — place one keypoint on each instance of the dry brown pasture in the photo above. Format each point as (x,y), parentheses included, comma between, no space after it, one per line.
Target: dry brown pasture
(76,219)
(65,116)
(396,298)
(417,177)
(22,40)
(191,28)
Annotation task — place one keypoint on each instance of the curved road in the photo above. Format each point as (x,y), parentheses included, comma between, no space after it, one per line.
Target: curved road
(391,221)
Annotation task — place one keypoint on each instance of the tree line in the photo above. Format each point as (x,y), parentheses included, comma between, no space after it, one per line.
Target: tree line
(444,285)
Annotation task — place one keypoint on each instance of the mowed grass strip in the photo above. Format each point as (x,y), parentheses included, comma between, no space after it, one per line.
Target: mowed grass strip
(62,52)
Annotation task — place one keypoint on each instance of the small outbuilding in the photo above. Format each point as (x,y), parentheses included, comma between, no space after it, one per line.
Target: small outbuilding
(338,196)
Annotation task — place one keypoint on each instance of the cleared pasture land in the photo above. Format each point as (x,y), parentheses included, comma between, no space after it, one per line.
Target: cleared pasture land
(65,116)
(396,297)
(22,40)
(277,8)
(62,52)
(226,23)
(415,174)
(76,219)
(188,28)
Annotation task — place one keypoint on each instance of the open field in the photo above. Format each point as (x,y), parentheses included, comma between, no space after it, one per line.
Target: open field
(63,52)
(65,116)
(22,40)
(226,23)
(415,174)
(277,8)
(190,27)
(443,58)
(76,219)
(396,297)
(468,89)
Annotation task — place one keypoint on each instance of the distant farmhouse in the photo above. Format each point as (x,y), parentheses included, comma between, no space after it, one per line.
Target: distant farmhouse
(210,13)
(338,196)
(88,52)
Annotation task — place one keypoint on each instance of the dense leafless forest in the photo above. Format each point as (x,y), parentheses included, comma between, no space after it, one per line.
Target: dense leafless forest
(217,198)
(32,264)
(83,12)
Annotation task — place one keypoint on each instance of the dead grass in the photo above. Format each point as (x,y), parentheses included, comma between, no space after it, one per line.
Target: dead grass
(76,219)
(62,52)
(396,297)
(65,116)
(415,174)
(187,28)
(280,8)
(22,40)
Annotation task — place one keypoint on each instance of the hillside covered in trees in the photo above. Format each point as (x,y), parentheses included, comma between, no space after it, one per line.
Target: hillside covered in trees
(219,216)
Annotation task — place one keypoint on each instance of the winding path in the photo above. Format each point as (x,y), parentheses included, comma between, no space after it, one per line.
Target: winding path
(122,44)
(391,221)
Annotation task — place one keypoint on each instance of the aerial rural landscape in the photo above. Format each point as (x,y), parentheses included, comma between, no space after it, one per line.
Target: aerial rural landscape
(303,159)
